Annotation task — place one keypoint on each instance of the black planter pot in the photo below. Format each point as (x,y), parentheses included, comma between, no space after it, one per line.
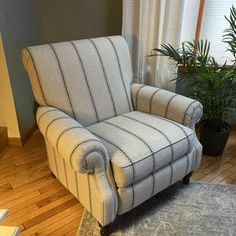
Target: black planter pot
(213,141)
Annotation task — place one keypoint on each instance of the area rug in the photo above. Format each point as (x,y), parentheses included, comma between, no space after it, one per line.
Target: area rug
(197,209)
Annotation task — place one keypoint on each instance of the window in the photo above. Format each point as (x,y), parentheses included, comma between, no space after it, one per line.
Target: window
(213,27)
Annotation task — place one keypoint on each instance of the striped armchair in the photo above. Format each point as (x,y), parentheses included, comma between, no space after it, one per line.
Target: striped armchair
(113,144)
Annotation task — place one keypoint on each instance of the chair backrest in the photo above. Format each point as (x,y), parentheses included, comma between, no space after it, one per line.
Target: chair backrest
(88,79)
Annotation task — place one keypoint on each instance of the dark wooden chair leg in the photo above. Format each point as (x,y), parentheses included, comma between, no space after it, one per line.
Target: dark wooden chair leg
(186,179)
(105,230)
(53,175)
(108,229)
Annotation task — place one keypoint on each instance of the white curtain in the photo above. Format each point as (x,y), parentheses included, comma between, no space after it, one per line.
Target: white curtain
(146,25)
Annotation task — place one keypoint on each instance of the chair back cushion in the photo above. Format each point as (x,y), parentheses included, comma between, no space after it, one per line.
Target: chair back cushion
(88,79)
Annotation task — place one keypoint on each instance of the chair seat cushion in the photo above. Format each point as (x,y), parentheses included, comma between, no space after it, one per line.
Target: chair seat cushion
(139,144)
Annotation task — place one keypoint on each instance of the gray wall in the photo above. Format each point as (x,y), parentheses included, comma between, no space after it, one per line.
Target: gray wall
(61,20)
(18,28)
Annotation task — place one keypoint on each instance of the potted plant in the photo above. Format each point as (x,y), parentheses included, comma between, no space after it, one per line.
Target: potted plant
(212,84)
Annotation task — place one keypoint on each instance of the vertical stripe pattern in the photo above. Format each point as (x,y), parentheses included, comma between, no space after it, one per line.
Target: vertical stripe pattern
(185,114)
(37,74)
(145,143)
(187,167)
(178,108)
(121,74)
(179,126)
(64,166)
(63,78)
(86,80)
(151,100)
(137,94)
(90,195)
(142,138)
(130,161)
(159,131)
(168,104)
(96,72)
(105,76)
(55,159)
(77,186)
(91,81)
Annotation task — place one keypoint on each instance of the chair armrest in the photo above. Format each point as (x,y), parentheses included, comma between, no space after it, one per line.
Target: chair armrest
(163,103)
(72,141)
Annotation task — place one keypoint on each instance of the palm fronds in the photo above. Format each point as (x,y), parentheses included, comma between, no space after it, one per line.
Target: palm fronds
(212,84)
(229,36)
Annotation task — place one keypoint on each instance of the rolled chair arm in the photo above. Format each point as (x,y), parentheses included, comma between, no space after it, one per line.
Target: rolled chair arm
(164,103)
(72,141)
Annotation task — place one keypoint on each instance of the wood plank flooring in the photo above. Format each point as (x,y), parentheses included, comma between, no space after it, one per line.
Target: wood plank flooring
(40,205)
(221,169)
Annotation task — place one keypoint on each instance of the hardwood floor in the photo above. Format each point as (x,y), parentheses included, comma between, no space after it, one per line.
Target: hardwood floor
(37,202)
(40,205)
(220,169)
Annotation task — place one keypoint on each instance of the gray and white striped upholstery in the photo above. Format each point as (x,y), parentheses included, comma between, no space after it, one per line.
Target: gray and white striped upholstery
(73,153)
(87,79)
(139,144)
(111,143)
(164,103)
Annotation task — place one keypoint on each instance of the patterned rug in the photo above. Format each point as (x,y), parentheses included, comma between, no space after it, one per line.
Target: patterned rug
(197,209)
